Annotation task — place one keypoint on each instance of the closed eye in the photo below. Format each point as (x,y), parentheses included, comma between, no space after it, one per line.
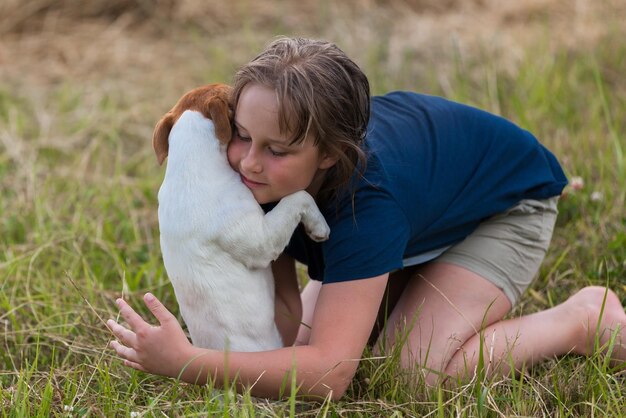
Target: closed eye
(277,153)
(238,135)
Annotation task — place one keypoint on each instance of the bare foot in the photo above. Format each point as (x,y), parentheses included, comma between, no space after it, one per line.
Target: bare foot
(586,304)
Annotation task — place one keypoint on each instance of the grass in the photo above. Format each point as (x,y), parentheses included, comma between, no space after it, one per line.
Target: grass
(78,228)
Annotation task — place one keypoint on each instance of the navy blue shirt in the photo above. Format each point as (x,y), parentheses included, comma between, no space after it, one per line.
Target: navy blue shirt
(435,170)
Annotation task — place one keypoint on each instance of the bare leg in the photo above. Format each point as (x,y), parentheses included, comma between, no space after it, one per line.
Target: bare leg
(444,308)
(568,327)
(441,308)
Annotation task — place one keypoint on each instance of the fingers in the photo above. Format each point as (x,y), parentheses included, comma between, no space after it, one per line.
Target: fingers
(128,343)
(159,310)
(132,318)
(134,365)
(127,340)
(128,354)
(135,321)
(126,336)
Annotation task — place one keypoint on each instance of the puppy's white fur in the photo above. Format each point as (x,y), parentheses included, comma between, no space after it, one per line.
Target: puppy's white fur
(217,243)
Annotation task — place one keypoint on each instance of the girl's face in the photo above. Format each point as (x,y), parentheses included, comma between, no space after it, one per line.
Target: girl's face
(268,165)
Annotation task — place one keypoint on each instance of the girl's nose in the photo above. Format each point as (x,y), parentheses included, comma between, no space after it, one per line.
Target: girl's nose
(251,162)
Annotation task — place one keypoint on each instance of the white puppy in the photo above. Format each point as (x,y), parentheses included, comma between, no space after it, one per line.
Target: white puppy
(216,241)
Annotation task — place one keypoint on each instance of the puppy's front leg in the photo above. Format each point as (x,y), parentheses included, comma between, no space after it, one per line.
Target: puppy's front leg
(256,242)
(309,214)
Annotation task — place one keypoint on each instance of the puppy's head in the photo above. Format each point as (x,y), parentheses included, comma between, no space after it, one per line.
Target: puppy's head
(212,100)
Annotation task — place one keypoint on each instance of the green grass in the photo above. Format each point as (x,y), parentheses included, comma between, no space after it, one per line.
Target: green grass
(78,186)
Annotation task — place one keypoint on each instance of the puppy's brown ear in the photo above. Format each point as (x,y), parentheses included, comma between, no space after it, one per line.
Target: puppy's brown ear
(160,137)
(221,114)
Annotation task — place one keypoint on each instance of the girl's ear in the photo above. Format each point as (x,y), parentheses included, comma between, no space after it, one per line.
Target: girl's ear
(327,161)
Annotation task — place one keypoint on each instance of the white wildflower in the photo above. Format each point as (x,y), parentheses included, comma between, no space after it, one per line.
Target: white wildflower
(596,196)
(577,183)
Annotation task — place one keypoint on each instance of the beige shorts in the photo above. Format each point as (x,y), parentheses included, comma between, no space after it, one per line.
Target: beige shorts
(507,249)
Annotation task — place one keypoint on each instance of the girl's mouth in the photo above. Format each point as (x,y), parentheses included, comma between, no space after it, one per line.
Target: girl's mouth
(250,183)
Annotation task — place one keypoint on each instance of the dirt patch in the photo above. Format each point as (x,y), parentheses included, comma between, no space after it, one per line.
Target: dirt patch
(170,44)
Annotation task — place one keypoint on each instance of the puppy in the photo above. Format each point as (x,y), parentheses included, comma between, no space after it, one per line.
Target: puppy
(217,243)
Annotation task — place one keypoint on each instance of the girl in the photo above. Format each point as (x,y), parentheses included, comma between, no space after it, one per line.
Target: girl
(440,216)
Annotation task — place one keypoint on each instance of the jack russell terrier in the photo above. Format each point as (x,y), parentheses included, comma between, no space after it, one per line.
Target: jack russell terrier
(216,241)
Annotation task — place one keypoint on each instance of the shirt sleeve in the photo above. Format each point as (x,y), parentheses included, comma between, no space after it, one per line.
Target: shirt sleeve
(368,237)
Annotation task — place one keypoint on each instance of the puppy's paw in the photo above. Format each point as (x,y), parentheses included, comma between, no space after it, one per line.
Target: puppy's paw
(314,223)
(319,232)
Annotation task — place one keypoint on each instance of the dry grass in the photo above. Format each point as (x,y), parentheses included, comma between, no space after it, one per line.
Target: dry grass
(49,41)
(150,51)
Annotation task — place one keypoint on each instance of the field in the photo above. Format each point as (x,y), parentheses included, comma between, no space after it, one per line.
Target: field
(82,84)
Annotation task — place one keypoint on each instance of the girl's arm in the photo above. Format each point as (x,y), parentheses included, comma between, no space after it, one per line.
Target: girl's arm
(288,313)
(343,319)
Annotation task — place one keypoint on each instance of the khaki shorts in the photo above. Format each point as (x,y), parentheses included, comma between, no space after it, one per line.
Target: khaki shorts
(507,249)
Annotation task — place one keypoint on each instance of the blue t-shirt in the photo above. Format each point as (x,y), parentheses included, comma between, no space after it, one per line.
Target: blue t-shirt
(435,170)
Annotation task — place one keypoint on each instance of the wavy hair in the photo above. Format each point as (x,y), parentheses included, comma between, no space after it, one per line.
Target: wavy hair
(320,92)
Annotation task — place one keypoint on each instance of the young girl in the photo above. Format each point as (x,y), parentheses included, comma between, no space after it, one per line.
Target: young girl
(440,216)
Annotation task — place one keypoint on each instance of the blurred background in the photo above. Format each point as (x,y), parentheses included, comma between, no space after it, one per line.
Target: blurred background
(149,48)
(76,75)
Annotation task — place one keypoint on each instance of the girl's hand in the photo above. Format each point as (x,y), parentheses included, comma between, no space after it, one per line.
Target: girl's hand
(162,349)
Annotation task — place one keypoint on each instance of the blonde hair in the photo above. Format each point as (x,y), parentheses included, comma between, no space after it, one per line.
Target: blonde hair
(320,92)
